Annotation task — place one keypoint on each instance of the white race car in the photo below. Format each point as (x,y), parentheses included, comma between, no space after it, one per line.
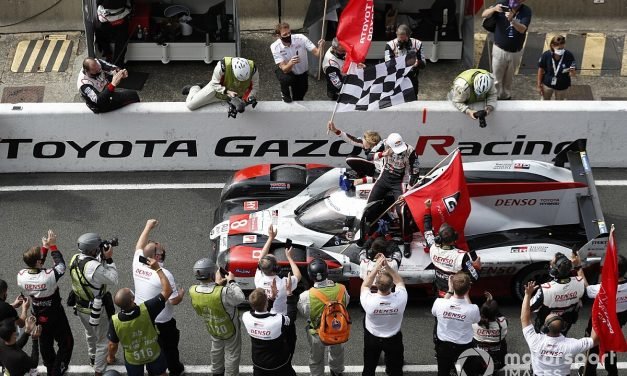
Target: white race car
(529,211)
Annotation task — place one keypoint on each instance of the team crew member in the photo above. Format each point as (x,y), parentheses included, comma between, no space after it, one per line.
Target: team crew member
(278,289)
(551,352)
(561,296)
(232,77)
(490,332)
(403,45)
(269,338)
(473,90)
(97,83)
(134,328)
(332,65)
(384,317)
(446,258)
(92,271)
(112,27)
(290,56)
(148,284)
(311,307)
(455,315)
(216,300)
(9,310)
(40,285)
(365,168)
(621,309)
(14,360)
(375,248)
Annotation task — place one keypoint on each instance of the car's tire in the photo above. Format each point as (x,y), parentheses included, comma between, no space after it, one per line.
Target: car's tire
(538,272)
(293,174)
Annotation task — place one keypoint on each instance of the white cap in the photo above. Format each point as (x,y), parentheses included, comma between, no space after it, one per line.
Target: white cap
(395,141)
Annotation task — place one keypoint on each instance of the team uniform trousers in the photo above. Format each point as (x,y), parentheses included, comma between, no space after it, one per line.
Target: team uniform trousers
(316,358)
(447,354)
(226,353)
(393,349)
(504,64)
(169,337)
(96,339)
(118,35)
(56,329)
(299,83)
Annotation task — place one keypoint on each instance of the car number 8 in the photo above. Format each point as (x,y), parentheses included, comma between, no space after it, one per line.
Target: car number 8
(238,224)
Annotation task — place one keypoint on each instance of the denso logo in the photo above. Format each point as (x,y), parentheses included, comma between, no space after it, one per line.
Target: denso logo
(567,296)
(516,202)
(32,287)
(443,260)
(488,332)
(258,332)
(390,311)
(143,273)
(453,315)
(444,145)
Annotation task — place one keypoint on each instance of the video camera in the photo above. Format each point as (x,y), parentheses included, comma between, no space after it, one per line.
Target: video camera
(237,105)
(480,115)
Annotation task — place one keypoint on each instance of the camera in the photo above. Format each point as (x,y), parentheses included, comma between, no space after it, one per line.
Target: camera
(505,8)
(480,115)
(237,105)
(96,309)
(106,244)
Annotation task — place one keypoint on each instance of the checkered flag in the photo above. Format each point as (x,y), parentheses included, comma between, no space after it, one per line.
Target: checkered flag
(380,86)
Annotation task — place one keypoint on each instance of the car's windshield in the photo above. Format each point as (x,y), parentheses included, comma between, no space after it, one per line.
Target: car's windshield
(322,216)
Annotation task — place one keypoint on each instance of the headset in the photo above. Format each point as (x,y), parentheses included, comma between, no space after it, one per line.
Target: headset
(272,260)
(446,234)
(562,266)
(546,327)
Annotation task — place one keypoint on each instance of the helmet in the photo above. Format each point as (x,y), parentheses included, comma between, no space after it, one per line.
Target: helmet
(204,269)
(446,234)
(241,68)
(89,243)
(562,266)
(317,270)
(111,372)
(483,82)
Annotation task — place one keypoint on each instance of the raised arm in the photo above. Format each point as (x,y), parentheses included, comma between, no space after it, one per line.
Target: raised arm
(166,289)
(369,280)
(577,266)
(143,238)
(266,247)
(396,278)
(525,310)
(295,270)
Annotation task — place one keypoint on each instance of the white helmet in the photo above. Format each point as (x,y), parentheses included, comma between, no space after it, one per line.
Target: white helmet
(483,83)
(241,68)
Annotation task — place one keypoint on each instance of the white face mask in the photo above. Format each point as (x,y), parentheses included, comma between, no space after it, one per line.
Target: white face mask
(559,51)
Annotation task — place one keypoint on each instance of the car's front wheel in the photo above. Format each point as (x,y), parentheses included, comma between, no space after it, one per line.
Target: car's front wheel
(538,272)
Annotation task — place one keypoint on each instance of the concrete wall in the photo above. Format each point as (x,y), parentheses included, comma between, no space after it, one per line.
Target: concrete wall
(65,16)
(51,137)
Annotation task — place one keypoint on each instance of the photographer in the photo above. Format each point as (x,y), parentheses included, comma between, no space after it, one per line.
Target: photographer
(474,94)
(148,284)
(92,271)
(233,78)
(41,286)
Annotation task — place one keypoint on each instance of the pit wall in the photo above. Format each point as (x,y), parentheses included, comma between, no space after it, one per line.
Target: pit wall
(67,137)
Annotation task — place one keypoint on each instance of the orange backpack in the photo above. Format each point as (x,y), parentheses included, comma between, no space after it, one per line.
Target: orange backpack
(335,321)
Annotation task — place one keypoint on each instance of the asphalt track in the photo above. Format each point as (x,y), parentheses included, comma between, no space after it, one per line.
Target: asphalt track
(113,205)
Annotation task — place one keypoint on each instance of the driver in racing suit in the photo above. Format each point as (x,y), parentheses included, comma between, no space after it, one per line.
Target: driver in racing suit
(445,257)
(41,285)
(366,169)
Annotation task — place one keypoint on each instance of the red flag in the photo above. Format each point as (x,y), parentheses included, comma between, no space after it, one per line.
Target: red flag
(604,317)
(450,200)
(354,31)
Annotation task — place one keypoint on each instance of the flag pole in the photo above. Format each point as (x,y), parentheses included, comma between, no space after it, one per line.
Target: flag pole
(321,56)
(338,98)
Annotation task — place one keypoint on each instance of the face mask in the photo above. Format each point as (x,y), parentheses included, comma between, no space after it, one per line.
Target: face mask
(287,39)
(559,51)
(404,45)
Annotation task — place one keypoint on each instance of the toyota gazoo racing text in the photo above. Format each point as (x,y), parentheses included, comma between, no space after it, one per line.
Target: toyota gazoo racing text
(522,213)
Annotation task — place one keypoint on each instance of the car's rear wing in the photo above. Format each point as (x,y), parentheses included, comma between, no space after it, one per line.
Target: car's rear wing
(589,205)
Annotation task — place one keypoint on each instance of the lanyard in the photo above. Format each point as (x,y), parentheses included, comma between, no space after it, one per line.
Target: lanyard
(558,64)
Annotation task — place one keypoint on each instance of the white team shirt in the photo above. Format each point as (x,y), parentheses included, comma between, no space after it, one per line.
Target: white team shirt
(148,285)
(553,355)
(384,313)
(455,318)
(491,334)
(621,295)
(265,282)
(300,44)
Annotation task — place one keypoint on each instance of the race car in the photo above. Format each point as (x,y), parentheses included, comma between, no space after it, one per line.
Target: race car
(522,213)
